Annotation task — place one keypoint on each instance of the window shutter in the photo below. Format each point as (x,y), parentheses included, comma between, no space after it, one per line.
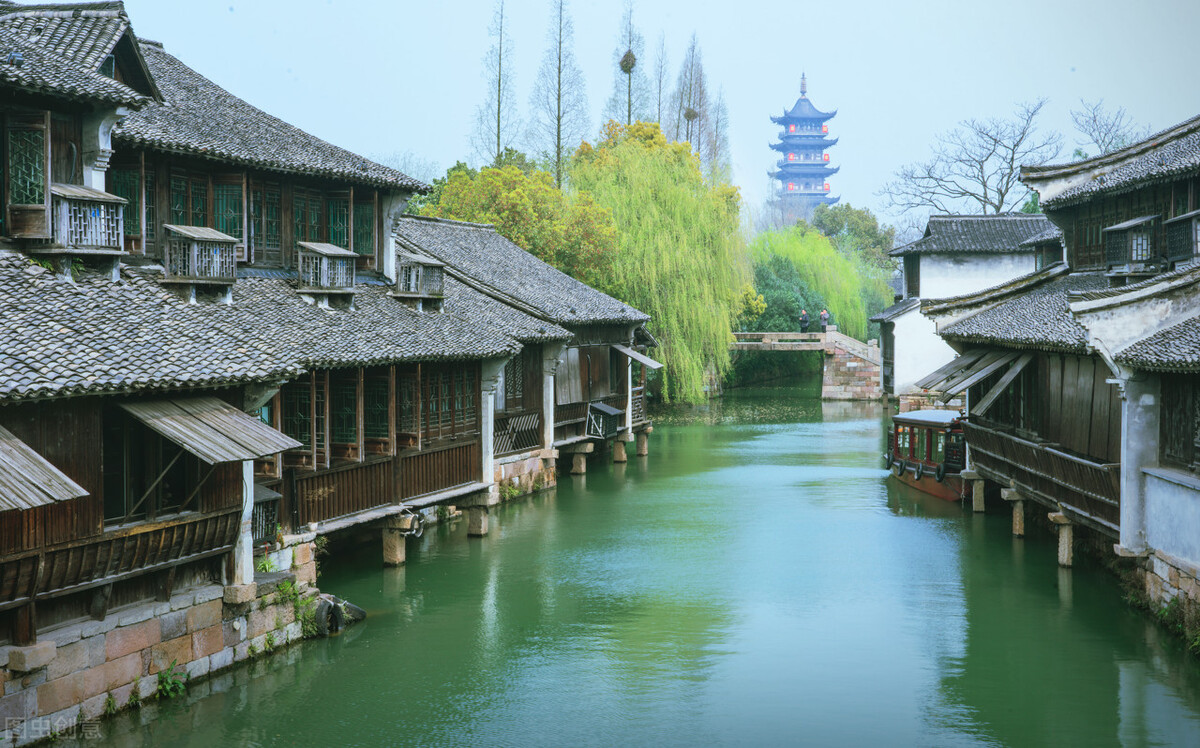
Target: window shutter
(27,175)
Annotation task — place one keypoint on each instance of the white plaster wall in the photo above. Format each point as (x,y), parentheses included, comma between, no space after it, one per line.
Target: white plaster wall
(919,350)
(943,276)
(1172,516)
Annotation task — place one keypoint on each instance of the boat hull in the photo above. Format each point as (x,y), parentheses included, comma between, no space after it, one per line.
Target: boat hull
(951,488)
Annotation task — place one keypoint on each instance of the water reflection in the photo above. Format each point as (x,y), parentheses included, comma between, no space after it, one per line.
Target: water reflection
(755,580)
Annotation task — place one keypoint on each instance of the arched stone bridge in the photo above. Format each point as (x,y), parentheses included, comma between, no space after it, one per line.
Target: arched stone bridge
(851,368)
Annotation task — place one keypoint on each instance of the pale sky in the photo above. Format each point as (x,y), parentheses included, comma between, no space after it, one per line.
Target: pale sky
(382,77)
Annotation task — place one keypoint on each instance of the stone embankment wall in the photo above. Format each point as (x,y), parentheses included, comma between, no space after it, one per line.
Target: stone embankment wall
(525,473)
(850,377)
(76,674)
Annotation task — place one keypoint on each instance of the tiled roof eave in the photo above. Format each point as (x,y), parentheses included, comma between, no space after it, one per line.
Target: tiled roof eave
(1017,344)
(1079,196)
(229,158)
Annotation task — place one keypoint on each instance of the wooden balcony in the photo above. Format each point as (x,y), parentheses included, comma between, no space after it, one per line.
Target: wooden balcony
(517,432)
(438,469)
(339,491)
(114,556)
(571,418)
(1083,487)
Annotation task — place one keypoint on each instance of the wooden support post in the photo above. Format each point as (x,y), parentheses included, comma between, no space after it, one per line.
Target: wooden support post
(25,626)
(394,540)
(477,521)
(643,443)
(98,608)
(1066,539)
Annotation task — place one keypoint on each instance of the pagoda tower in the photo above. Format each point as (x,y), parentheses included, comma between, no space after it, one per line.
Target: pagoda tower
(803,171)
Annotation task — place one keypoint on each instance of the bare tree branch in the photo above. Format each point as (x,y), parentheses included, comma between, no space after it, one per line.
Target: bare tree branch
(1104,131)
(496,122)
(559,102)
(976,167)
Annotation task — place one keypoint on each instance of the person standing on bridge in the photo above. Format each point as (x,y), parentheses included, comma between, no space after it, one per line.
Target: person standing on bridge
(824,319)
(804,320)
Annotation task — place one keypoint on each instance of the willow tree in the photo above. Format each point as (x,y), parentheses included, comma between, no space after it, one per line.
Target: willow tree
(680,255)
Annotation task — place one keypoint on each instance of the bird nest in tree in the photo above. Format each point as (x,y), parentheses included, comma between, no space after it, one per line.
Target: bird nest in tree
(628,61)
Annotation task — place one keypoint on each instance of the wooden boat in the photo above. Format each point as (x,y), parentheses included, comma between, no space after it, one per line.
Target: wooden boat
(926,451)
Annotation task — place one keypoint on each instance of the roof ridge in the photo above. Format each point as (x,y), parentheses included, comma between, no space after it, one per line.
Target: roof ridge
(450,221)
(1178,130)
(998,291)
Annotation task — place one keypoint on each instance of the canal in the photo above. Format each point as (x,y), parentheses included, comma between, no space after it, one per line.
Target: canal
(755,581)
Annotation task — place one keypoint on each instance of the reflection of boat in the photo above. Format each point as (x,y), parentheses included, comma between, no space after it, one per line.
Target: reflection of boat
(926,451)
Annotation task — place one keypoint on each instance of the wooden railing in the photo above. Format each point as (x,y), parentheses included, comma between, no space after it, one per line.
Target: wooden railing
(342,490)
(638,411)
(115,555)
(1089,488)
(517,432)
(81,223)
(438,469)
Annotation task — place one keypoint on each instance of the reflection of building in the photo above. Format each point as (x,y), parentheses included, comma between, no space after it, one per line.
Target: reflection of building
(956,255)
(1082,383)
(803,170)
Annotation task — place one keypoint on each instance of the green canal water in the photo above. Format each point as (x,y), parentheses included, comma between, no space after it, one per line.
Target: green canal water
(755,581)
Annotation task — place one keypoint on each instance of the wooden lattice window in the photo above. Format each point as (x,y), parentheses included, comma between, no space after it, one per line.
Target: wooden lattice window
(189,199)
(151,207)
(364,229)
(375,408)
(26,166)
(344,411)
(306,215)
(199,201)
(514,381)
(338,210)
(408,403)
(180,214)
(296,409)
(1183,237)
(1179,422)
(227,209)
(126,183)
(265,225)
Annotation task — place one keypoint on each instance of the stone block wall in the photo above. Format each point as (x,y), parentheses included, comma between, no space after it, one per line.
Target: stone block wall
(517,475)
(850,377)
(75,673)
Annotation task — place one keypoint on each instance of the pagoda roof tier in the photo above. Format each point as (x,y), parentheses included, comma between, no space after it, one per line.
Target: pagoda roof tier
(791,143)
(808,197)
(803,110)
(791,169)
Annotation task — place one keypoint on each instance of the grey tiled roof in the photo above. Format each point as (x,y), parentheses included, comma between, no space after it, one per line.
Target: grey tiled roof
(378,330)
(64,58)
(897,309)
(1164,155)
(992,234)
(201,118)
(1036,317)
(96,336)
(1051,234)
(474,307)
(84,33)
(1105,293)
(1176,348)
(481,254)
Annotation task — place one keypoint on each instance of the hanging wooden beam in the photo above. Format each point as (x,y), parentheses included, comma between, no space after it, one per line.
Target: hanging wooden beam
(1005,380)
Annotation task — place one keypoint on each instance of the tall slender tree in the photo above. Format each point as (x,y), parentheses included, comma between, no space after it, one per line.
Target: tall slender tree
(496,121)
(631,90)
(660,78)
(559,104)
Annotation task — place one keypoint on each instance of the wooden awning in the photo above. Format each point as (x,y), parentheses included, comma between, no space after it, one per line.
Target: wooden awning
(27,479)
(211,429)
(968,369)
(641,358)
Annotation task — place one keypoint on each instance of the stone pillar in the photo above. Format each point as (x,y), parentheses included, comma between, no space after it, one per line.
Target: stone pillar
(394,540)
(97,145)
(643,443)
(1066,537)
(972,478)
(619,451)
(477,521)
(1139,447)
(490,378)
(578,463)
(243,552)
(1018,510)
(551,358)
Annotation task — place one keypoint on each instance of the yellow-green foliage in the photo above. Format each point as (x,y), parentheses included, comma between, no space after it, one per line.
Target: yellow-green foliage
(836,278)
(680,255)
(568,231)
